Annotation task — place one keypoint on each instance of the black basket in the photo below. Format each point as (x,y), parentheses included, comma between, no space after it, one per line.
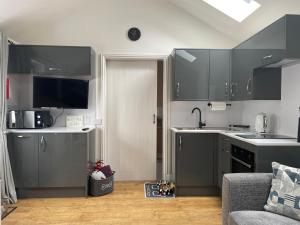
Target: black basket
(101,187)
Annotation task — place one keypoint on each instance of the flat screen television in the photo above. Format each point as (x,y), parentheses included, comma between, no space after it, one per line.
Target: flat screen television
(60,93)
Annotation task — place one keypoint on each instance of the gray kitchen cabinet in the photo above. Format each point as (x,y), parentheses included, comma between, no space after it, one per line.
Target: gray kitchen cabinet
(190,68)
(220,69)
(277,44)
(248,82)
(50,60)
(62,160)
(51,164)
(23,154)
(194,163)
(224,158)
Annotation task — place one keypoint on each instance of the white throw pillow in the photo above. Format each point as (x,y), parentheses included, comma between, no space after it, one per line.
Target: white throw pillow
(284,197)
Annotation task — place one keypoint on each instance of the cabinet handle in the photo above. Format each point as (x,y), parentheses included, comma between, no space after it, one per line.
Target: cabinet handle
(54,69)
(267,57)
(21,136)
(43,144)
(226,89)
(180,143)
(248,86)
(231,89)
(177,89)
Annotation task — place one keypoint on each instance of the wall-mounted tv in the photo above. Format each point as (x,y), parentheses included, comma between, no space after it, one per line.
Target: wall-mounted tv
(60,93)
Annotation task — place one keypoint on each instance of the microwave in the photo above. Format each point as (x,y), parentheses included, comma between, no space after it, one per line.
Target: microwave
(29,119)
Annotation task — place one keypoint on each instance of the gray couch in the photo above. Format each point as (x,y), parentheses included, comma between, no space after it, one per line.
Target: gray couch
(243,198)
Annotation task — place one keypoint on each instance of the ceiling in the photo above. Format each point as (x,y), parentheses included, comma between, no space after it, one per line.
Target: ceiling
(269,11)
(14,14)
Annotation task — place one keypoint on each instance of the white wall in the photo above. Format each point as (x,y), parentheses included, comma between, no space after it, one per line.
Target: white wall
(103,24)
(283,114)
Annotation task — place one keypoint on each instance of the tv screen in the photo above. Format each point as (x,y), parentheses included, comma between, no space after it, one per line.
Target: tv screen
(60,93)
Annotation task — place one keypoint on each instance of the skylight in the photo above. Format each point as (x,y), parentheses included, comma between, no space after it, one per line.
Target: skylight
(236,9)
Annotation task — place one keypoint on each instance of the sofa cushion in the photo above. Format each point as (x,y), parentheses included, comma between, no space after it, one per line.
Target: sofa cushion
(259,218)
(284,197)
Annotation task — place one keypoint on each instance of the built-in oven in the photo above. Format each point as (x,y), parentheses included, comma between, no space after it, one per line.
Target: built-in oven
(242,160)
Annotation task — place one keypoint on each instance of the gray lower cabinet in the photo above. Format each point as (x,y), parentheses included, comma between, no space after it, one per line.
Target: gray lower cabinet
(224,158)
(23,152)
(190,69)
(51,164)
(62,159)
(219,70)
(194,163)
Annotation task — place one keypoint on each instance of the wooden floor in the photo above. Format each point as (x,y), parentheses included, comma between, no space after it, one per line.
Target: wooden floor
(126,205)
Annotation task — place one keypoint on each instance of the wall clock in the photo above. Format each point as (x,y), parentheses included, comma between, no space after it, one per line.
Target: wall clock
(134,34)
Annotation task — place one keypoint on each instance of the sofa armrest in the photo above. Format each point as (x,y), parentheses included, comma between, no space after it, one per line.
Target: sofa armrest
(244,191)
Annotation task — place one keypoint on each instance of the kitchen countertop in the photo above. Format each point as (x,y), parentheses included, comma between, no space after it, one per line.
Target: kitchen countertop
(52,130)
(232,134)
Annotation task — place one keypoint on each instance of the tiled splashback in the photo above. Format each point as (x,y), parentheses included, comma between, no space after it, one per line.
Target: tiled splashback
(181,115)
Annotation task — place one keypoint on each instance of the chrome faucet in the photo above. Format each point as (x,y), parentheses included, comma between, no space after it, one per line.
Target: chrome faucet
(200,122)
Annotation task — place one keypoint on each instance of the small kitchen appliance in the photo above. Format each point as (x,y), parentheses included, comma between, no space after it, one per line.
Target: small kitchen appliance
(30,119)
(15,119)
(261,123)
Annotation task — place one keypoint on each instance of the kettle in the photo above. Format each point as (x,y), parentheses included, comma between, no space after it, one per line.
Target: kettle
(261,123)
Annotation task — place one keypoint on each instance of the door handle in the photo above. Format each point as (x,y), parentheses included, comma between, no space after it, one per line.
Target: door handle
(180,143)
(154,118)
(43,144)
(177,89)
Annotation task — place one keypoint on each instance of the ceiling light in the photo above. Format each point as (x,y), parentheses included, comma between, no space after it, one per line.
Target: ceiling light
(236,9)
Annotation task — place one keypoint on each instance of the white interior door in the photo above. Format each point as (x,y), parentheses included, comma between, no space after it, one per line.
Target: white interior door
(131,121)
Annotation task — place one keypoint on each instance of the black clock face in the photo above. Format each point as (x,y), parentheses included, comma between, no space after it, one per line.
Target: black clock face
(134,34)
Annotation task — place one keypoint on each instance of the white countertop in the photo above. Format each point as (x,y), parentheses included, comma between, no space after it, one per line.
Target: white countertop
(53,130)
(232,134)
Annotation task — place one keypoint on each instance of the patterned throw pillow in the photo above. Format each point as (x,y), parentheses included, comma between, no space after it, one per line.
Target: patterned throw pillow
(284,197)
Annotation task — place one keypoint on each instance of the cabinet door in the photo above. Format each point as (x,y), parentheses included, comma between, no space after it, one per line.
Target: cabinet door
(224,158)
(191,74)
(23,155)
(244,61)
(194,159)
(219,65)
(61,60)
(62,160)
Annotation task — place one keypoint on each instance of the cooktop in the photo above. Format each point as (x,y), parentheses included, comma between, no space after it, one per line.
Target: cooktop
(264,136)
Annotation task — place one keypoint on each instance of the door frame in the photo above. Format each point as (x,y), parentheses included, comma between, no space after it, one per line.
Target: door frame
(166,103)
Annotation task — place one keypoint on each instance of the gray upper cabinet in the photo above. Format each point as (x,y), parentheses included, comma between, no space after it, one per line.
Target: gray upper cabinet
(220,69)
(248,82)
(190,74)
(23,154)
(277,44)
(63,159)
(50,60)
(194,159)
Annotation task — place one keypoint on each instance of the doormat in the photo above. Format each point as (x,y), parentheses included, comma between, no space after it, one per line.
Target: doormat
(152,191)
